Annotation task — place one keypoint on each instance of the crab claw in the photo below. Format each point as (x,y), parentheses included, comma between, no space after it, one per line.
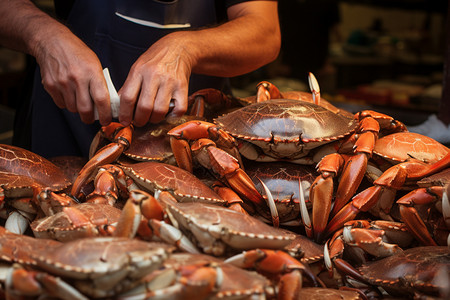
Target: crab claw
(21,284)
(131,217)
(266,91)
(410,215)
(182,135)
(304,211)
(314,87)
(272,205)
(322,191)
(173,236)
(336,246)
(107,154)
(227,167)
(370,240)
(271,263)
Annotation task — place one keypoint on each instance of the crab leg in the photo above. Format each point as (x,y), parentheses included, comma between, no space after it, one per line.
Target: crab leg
(411,217)
(336,248)
(182,135)
(368,239)
(21,282)
(208,150)
(355,166)
(108,154)
(273,263)
(382,193)
(140,204)
(321,192)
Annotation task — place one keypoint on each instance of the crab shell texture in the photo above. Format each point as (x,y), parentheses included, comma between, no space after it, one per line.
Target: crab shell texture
(60,226)
(103,266)
(218,229)
(184,186)
(70,165)
(21,170)
(422,269)
(285,128)
(236,283)
(401,146)
(439,179)
(282,179)
(305,250)
(316,293)
(17,248)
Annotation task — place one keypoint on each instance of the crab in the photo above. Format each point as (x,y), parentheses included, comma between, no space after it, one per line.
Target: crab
(414,157)
(82,220)
(93,219)
(96,267)
(290,130)
(151,176)
(200,276)
(23,174)
(415,271)
(214,229)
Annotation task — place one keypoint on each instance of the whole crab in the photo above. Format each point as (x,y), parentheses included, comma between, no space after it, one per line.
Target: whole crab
(421,270)
(214,229)
(200,276)
(96,267)
(23,174)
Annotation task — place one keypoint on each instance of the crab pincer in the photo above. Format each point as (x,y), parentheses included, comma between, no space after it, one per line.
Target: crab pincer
(121,137)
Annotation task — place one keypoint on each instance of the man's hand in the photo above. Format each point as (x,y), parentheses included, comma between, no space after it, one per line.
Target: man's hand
(71,72)
(72,75)
(250,39)
(159,75)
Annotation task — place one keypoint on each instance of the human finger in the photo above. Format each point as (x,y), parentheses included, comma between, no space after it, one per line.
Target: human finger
(162,103)
(98,92)
(128,94)
(145,103)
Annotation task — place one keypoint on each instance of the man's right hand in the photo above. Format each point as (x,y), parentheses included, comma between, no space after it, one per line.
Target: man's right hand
(72,75)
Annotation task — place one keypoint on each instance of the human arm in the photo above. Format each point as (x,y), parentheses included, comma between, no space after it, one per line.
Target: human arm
(71,72)
(249,40)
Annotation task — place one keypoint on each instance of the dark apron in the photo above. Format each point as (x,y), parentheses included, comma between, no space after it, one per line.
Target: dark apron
(118,43)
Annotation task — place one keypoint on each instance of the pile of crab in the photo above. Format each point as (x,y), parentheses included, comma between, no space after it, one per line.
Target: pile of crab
(280,196)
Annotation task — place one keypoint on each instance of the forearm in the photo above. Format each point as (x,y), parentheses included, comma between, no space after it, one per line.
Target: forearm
(236,47)
(25,28)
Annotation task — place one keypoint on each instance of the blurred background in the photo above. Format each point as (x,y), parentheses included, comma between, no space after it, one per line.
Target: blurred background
(385,55)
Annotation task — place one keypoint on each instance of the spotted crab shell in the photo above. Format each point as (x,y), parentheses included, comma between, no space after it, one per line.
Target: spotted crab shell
(286,121)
